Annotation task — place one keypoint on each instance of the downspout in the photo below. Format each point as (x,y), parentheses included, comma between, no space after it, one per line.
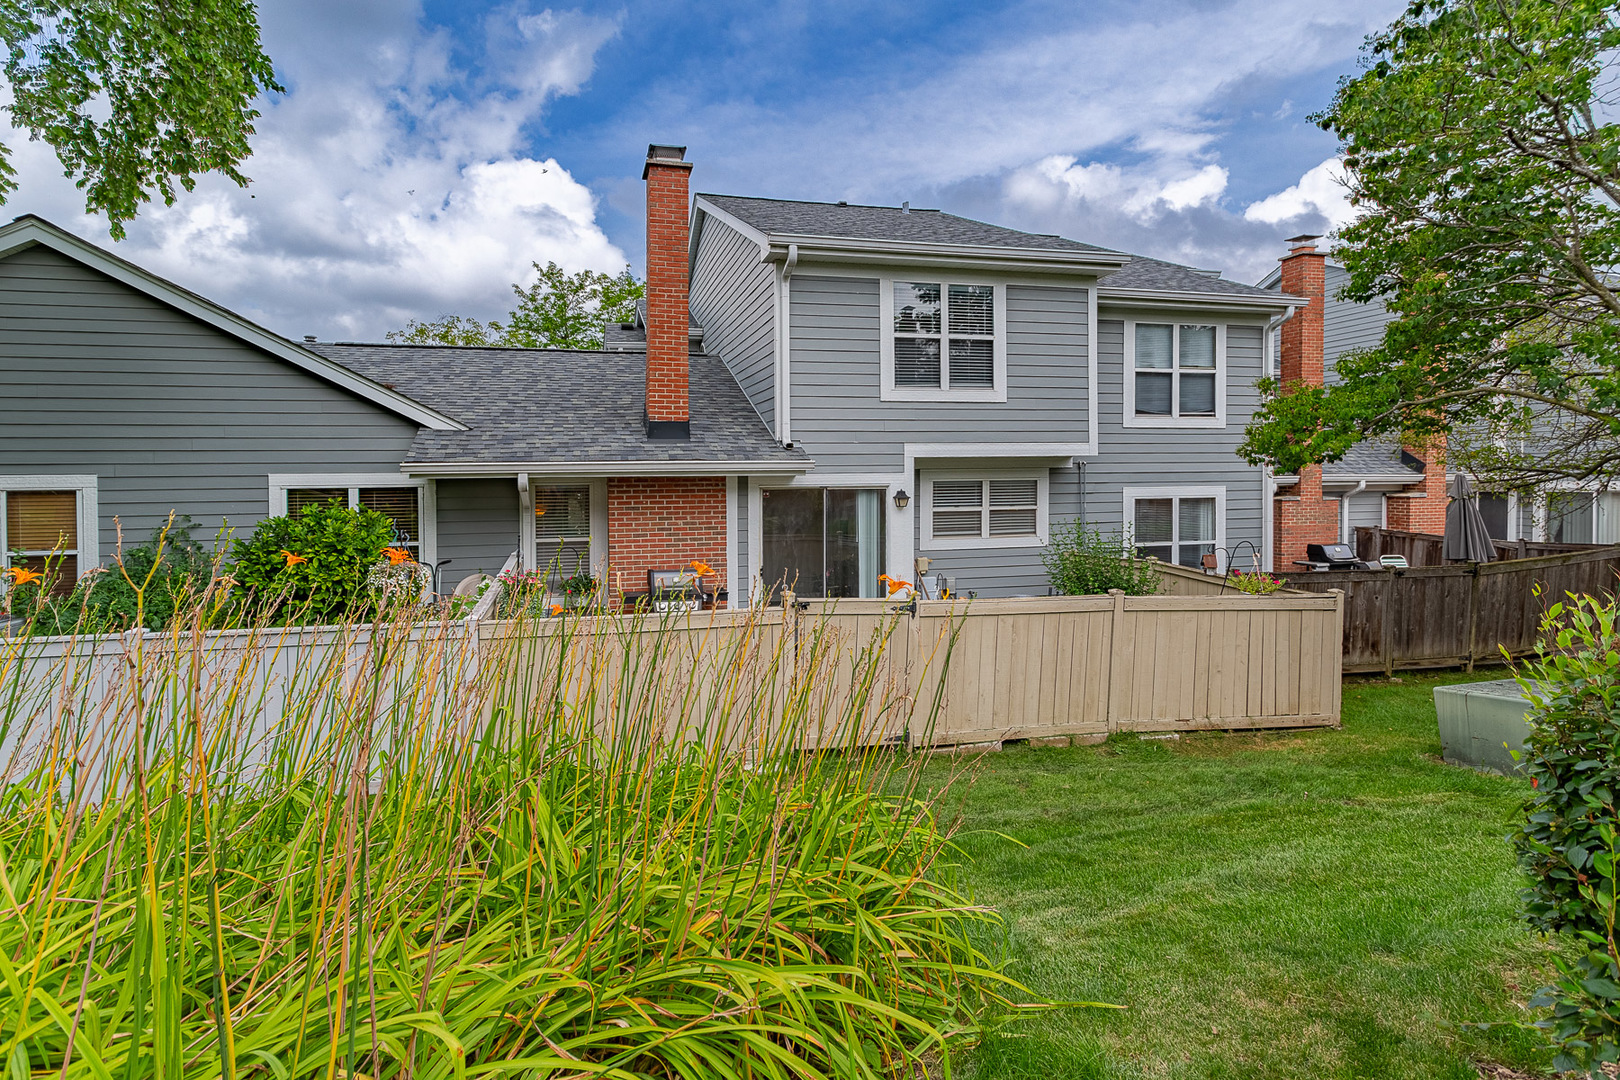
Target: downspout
(784,340)
(525,522)
(1268,483)
(1344,511)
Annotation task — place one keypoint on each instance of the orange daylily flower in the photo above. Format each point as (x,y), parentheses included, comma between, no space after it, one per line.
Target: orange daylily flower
(292,560)
(22,575)
(556,609)
(396,555)
(894,583)
(702,569)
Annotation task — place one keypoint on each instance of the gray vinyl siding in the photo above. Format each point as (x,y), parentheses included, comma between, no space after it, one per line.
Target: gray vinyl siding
(1346,326)
(1174,457)
(166,411)
(478,527)
(1366,509)
(733,297)
(838,414)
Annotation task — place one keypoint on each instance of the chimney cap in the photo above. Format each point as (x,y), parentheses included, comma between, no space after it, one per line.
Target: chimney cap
(668,156)
(1304,239)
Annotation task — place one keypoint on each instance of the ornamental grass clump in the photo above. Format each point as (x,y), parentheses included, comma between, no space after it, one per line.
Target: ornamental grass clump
(1567,843)
(552,848)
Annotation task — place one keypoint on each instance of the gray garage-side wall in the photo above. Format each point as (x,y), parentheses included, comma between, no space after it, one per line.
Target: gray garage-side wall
(166,411)
(733,297)
(478,527)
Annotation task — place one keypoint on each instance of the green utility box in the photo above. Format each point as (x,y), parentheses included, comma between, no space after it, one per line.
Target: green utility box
(1481,722)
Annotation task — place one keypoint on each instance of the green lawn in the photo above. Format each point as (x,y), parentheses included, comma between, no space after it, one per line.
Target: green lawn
(1317,904)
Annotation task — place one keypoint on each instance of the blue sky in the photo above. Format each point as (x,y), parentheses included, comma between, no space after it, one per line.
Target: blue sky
(425,154)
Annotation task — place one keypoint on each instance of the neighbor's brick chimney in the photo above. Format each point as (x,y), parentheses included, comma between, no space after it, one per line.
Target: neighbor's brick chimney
(668,205)
(1303,516)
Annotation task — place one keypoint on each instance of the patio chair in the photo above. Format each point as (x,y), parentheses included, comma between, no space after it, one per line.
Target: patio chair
(1393,562)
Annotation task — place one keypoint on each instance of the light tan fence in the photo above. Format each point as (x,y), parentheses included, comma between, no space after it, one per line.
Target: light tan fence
(1012,669)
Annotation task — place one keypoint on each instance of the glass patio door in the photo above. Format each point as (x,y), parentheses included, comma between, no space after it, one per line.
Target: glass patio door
(822,542)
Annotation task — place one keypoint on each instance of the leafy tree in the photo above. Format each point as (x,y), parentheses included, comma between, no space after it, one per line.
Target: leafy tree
(1486,171)
(135,96)
(559,311)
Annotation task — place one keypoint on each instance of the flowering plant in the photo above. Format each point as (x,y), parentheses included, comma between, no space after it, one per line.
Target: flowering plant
(1257,583)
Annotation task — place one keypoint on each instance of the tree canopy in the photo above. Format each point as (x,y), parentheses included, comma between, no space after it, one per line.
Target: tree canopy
(1484,164)
(135,96)
(559,311)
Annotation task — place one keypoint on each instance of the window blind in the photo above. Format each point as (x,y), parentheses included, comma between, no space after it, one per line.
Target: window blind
(958,508)
(40,522)
(1012,507)
(302,499)
(402,506)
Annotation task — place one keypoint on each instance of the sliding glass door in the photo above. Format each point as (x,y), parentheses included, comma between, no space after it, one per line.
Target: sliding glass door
(822,542)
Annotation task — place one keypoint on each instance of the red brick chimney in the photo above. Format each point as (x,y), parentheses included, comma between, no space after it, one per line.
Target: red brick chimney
(666,413)
(1303,516)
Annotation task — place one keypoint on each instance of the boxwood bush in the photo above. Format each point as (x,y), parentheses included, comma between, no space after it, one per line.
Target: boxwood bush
(1567,840)
(313,567)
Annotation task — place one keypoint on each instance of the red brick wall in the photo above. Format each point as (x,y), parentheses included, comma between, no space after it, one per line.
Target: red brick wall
(1422,507)
(667,282)
(664,523)
(1303,516)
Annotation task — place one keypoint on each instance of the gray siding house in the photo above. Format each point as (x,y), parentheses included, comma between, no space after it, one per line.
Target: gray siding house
(867,387)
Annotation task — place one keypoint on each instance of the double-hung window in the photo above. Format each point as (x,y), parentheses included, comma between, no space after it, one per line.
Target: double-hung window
(48,524)
(1174,525)
(943,341)
(984,511)
(562,530)
(405,503)
(1175,375)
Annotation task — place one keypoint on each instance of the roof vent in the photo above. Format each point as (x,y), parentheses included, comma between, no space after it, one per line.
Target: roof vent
(841,202)
(310,338)
(905,207)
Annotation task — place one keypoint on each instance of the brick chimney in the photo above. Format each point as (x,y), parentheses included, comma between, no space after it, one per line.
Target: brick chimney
(667,175)
(1304,273)
(1302,515)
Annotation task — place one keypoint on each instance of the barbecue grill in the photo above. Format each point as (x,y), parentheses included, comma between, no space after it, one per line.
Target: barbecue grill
(1332,557)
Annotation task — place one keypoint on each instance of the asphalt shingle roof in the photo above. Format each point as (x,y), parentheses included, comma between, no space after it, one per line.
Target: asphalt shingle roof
(545,405)
(1371,458)
(856,222)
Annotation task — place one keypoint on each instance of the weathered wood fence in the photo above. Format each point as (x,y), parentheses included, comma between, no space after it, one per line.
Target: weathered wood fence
(1426,549)
(1459,614)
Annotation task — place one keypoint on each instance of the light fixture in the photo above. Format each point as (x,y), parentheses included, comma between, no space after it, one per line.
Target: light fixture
(901,499)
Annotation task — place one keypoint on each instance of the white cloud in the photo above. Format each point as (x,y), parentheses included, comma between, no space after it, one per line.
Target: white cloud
(1320,193)
(1141,193)
(390,182)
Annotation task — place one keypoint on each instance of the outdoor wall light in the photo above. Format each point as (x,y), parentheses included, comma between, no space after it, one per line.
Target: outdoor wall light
(901,500)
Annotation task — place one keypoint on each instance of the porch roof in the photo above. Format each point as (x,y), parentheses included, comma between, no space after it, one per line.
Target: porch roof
(536,410)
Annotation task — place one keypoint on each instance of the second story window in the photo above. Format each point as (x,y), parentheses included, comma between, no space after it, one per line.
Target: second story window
(1174,375)
(943,341)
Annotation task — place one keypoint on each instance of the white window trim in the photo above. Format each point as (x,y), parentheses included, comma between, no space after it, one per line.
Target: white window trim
(1042,478)
(994,393)
(1196,491)
(428,499)
(88,519)
(1130,419)
(527,554)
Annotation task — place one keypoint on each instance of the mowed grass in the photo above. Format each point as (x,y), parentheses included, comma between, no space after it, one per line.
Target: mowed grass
(1307,904)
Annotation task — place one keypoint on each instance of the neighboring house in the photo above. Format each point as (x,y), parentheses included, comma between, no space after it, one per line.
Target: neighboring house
(813,392)
(1380,483)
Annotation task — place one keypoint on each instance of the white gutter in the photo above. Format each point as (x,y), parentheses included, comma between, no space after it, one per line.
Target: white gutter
(1344,510)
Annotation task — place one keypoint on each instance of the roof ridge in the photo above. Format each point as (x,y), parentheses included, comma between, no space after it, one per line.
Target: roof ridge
(847,205)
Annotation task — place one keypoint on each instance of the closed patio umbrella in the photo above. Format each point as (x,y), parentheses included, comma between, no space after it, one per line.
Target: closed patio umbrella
(1467,539)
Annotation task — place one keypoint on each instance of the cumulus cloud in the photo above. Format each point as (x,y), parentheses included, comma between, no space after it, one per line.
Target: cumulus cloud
(1140,193)
(1320,193)
(392,181)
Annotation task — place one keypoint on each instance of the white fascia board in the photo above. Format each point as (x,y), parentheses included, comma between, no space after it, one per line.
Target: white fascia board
(493,469)
(1259,305)
(702,206)
(28,231)
(1056,455)
(1350,480)
(910,253)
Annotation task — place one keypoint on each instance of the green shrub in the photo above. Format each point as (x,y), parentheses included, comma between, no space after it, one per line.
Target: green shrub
(1567,841)
(1082,561)
(143,586)
(1258,583)
(315,567)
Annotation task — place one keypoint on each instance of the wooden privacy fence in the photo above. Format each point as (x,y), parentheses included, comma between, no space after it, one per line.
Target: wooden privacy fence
(1426,549)
(1458,614)
(928,673)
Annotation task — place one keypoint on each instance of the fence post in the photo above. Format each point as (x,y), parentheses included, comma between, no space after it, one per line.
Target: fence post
(1116,631)
(1473,613)
(1338,681)
(1386,635)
